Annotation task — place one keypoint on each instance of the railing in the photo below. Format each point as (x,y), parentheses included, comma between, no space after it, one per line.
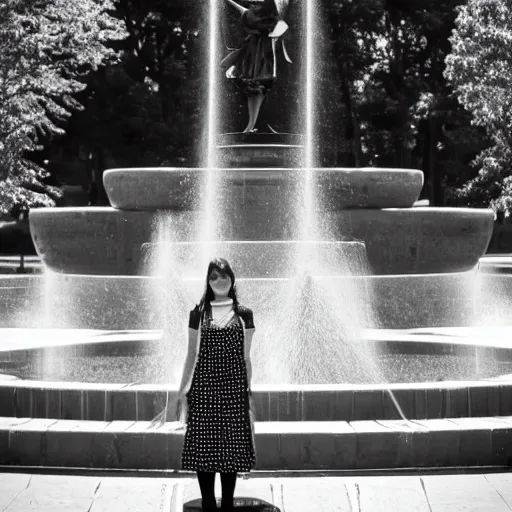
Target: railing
(20,264)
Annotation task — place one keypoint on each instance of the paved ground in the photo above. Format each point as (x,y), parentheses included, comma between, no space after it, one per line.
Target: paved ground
(484,492)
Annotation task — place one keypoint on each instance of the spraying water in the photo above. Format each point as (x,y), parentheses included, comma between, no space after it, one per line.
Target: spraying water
(310,92)
(168,295)
(311,329)
(213,86)
(310,305)
(208,225)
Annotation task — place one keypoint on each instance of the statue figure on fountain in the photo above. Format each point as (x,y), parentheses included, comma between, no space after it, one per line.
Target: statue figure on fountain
(253,64)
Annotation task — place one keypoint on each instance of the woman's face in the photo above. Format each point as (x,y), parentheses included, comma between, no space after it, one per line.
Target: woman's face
(220,282)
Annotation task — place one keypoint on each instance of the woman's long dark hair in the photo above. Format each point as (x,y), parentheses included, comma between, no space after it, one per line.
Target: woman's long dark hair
(222,266)
(267,8)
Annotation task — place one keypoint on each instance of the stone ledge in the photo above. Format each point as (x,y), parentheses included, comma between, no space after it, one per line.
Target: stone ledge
(279,445)
(76,401)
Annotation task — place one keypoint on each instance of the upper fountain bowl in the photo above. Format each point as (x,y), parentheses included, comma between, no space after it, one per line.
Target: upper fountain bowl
(161,188)
(340,188)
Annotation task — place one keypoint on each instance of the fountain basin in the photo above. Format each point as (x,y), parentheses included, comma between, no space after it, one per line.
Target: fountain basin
(99,357)
(106,241)
(336,188)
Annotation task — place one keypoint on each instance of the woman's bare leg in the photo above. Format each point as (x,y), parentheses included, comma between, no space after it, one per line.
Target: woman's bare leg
(254,103)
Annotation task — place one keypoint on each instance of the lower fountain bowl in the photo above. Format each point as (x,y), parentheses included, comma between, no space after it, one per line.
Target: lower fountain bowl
(105,241)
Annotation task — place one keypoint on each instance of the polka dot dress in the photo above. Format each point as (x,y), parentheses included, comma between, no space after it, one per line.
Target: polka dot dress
(219,433)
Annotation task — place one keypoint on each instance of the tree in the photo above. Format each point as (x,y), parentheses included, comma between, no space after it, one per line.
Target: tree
(345,56)
(160,36)
(145,110)
(47,47)
(480,70)
(394,99)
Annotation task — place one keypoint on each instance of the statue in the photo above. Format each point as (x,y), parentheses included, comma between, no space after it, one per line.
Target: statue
(253,65)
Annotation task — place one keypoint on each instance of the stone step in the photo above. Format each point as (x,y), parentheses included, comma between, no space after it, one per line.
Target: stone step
(119,402)
(304,445)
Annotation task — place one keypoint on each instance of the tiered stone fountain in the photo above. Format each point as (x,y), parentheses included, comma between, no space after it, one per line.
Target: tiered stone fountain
(382,263)
(301,426)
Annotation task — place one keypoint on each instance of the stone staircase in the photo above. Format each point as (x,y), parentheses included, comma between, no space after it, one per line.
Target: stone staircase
(311,428)
(308,445)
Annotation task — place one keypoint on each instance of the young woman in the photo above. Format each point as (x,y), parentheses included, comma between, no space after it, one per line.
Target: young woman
(219,435)
(253,65)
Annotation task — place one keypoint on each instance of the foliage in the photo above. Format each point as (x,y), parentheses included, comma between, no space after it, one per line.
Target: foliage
(395,100)
(46,48)
(146,109)
(480,70)
(383,97)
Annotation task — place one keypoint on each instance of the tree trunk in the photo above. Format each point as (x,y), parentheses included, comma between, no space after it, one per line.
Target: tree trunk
(356,143)
(397,66)
(353,130)
(99,167)
(429,162)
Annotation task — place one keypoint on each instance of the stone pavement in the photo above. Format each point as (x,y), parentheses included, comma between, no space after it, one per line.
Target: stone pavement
(482,492)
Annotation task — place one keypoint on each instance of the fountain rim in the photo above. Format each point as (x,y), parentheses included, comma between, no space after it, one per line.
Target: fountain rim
(317,276)
(347,170)
(436,209)
(139,277)
(270,146)
(501,381)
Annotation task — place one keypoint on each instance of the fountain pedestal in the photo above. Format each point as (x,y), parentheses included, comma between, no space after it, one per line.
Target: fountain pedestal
(255,150)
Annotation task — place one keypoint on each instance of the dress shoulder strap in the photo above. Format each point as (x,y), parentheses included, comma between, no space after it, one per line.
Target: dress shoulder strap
(247,316)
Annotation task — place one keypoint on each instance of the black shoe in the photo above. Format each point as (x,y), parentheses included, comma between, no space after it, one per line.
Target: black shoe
(209,507)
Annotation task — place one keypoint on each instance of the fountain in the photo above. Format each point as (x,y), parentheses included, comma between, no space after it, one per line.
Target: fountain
(341,270)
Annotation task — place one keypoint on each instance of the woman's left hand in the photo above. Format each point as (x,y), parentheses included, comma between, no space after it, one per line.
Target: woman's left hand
(251,402)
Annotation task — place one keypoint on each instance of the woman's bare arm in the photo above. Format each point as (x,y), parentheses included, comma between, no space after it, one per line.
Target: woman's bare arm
(190,360)
(247,354)
(188,370)
(239,7)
